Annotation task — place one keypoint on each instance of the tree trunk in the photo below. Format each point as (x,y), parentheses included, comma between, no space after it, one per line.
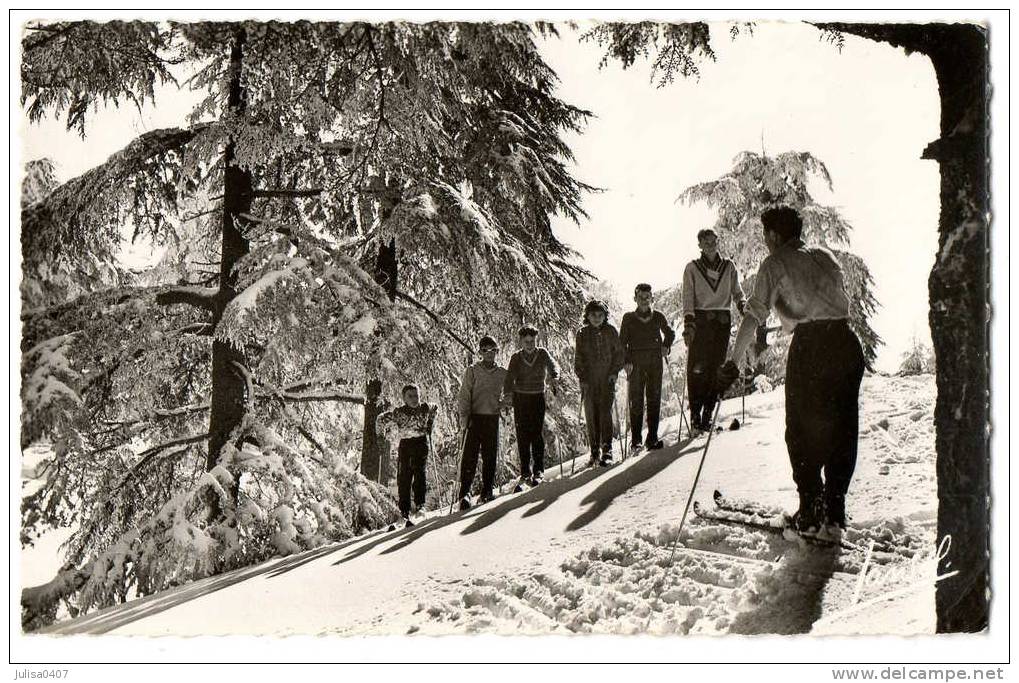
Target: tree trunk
(229,388)
(959,314)
(375,449)
(959,317)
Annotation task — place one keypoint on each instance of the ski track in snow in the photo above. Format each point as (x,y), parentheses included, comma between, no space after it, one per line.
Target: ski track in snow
(592,553)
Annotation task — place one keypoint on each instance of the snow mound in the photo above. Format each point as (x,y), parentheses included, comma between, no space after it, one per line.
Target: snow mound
(720,578)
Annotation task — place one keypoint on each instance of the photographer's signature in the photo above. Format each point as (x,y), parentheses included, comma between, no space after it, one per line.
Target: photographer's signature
(895,580)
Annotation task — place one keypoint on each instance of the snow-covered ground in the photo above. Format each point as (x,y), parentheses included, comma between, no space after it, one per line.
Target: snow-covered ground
(591,552)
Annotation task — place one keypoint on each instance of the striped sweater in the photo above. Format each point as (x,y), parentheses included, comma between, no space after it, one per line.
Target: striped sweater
(711,286)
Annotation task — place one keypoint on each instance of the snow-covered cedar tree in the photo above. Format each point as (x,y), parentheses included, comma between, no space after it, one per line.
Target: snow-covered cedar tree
(349,207)
(918,359)
(758,182)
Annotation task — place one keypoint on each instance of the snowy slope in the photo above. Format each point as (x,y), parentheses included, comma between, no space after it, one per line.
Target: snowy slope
(590,552)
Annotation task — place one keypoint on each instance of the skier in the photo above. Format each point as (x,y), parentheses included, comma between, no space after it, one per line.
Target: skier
(710,286)
(525,382)
(598,360)
(805,286)
(646,337)
(480,402)
(413,422)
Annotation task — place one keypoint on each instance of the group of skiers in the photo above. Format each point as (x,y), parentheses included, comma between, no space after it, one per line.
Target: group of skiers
(803,285)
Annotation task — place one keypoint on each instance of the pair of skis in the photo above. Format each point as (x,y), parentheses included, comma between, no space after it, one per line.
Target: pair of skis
(774,520)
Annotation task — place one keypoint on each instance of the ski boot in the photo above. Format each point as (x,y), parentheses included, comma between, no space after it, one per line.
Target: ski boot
(835,512)
(606,458)
(465,503)
(654,445)
(537,479)
(635,448)
(810,516)
(486,497)
(522,485)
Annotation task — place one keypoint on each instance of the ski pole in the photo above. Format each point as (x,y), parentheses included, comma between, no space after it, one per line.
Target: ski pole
(559,452)
(627,413)
(459,456)
(743,401)
(430,458)
(696,478)
(619,426)
(583,428)
(682,400)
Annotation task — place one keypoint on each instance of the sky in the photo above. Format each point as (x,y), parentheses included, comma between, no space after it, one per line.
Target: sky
(867,112)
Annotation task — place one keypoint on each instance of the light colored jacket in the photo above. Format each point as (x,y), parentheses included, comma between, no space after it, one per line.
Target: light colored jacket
(802,284)
(481,392)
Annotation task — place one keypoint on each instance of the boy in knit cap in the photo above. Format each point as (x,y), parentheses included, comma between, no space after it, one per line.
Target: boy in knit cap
(413,423)
(525,382)
(710,286)
(598,360)
(480,402)
(647,338)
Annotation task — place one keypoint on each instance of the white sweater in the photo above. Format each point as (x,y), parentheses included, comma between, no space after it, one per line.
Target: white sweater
(710,289)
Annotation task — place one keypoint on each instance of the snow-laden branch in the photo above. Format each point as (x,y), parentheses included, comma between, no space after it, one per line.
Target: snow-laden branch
(312,396)
(312,192)
(271,226)
(323,382)
(431,314)
(147,455)
(200,297)
(197,329)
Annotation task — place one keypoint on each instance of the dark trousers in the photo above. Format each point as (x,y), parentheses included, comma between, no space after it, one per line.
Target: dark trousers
(529,419)
(482,438)
(645,384)
(598,399)
(410,475)
(705,357)
(822,390)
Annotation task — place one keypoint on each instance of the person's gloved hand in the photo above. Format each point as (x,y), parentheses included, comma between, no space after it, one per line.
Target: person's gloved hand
(727,374)
(688,332)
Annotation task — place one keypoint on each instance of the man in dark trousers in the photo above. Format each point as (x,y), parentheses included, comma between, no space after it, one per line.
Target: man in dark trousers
(710,287)
(647,338)
(525,382)
(413,422)
(598,360)
(479,403)
(805,287)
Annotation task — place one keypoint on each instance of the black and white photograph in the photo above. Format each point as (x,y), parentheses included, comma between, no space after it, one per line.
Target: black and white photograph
(632,334)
